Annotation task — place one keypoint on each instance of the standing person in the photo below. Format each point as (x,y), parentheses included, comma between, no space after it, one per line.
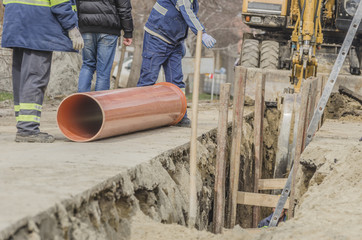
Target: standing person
(34,29)
(165,31)
(100,23)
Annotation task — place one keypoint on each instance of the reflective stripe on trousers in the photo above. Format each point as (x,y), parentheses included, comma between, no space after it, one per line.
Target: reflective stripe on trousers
(31,72)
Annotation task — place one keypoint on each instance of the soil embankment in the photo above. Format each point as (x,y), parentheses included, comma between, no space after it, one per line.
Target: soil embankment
(329,188)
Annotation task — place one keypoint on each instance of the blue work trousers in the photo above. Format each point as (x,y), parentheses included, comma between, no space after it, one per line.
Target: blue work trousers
(157,53)
(98,55)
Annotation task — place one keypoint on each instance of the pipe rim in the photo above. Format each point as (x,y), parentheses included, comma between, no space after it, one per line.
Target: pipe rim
(183,99)
(82,139)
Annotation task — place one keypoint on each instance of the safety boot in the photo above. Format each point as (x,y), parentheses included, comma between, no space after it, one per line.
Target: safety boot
(185,122)
(34,138)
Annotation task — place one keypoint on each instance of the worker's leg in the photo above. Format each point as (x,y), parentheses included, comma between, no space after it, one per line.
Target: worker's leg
(153,56)
(34,78)
(16,72)
(173,74)
(173,67)
(89,55)
(106,48)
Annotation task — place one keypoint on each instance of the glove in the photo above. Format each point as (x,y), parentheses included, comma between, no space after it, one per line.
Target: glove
(76,38)
(208,41)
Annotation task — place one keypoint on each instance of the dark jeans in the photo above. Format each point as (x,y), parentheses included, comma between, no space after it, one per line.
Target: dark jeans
(98,55)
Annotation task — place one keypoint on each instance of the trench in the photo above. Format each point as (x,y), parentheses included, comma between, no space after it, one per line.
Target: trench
(159,189)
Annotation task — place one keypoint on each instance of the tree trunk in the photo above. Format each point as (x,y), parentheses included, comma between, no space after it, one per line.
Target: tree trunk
(137,57)
(2,9)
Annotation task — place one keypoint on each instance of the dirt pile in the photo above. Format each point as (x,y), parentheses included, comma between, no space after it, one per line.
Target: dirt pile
(64,74)
(329,188)
(343,107)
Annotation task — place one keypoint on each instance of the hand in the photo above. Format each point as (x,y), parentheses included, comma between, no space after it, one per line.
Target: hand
(208,41)
(76,38)
(127,41)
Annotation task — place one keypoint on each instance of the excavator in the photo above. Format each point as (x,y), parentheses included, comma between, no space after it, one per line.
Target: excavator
(297,34)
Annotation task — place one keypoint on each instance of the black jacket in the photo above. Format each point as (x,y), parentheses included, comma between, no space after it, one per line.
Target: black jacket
(105,16)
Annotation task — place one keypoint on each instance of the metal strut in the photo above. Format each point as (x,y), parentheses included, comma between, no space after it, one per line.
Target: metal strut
(312,128)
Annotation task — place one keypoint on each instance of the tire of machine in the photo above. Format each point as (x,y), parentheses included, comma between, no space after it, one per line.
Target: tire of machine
(269,55)
(250,53)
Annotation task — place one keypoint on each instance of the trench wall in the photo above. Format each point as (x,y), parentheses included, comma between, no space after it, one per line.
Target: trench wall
(159,189)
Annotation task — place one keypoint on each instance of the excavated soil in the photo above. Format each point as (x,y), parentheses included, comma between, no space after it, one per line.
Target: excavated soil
(344,108)
(328,199)
(329,187)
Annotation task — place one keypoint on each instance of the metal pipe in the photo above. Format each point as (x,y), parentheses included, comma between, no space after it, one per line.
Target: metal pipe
(84,117)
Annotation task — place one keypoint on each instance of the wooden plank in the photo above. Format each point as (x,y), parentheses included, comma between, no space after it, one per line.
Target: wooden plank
(258,139)
(312,98)
(120,63)
(238,113)
(193,143)
(272,184)
(219,199)
(302,128)
(259,199)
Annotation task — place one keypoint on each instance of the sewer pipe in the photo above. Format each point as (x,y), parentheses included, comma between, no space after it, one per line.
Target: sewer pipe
(84,117)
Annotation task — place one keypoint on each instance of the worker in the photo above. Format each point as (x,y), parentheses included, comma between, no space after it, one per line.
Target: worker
(265,222)
(165,31)
(34,29)
(100,23)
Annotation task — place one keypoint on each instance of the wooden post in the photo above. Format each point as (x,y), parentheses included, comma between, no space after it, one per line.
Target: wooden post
(310,108)
(120,63)
(238,112)
(258,139)
(219,200)
(305,89)
(193,146)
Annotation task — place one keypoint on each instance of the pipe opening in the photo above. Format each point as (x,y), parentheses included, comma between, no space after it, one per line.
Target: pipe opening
(80,117)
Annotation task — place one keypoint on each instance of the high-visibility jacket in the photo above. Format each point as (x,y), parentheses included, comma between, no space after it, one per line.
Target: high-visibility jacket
(39,24)
(171,19)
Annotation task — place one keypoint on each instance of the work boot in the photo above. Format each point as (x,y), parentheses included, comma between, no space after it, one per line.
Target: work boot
(185,122)
(34,138)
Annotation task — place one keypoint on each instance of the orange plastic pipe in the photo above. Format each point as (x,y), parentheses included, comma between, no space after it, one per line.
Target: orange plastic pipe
(84,117)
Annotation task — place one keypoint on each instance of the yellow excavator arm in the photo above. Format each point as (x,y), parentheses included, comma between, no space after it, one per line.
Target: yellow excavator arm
(306,38)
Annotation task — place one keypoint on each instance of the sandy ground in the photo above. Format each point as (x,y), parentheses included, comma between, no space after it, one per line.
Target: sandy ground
(33,177)
(145,228)
(330,209)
